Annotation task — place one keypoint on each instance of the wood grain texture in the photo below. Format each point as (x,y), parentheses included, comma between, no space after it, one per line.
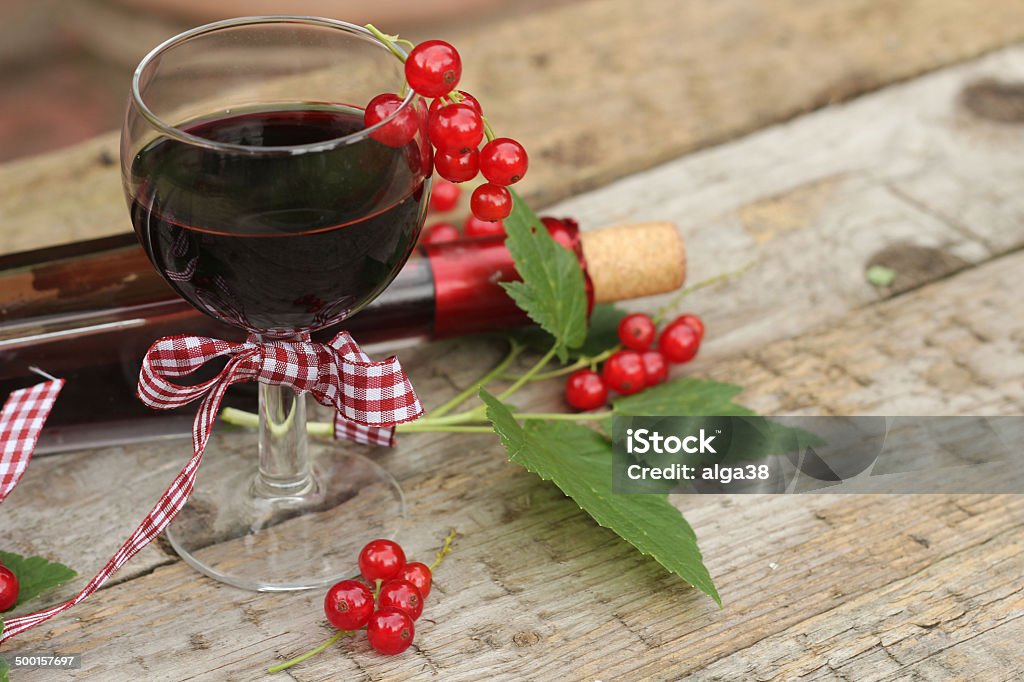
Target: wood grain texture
(823,587)
(599,89)
(812,584)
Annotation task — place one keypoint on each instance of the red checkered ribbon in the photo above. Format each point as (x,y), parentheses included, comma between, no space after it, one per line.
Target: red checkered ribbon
(21,420)
(370,397)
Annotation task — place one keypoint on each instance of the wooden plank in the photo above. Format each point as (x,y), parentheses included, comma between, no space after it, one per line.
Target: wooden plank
(536,591)
(906,177)
(947,348)
(813,202)
(600,89)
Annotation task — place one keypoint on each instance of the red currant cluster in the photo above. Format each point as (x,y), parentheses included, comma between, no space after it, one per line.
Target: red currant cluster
(387,615)
(8,588)
(455,126)
(444,197)
(638,366)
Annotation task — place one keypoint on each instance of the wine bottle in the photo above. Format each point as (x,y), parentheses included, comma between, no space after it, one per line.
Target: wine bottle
(88,311)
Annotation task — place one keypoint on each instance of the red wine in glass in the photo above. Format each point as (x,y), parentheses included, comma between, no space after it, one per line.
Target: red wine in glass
(278,243)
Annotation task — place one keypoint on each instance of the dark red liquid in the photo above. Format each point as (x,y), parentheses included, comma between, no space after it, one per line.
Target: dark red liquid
(275,241)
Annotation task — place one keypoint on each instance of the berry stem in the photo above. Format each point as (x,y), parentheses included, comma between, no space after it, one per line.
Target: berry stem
(488,130)
(309,654)
(443,552)
(583,362)
(441,428)
(515,348)
(673,302)
(518,383)
(471,421)
(388,40)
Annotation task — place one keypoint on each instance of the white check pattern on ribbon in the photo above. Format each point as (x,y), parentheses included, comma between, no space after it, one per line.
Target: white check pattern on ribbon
(21,420)
(370,399)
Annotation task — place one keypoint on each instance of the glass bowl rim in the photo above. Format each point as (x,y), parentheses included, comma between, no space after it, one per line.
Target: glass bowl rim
(175,132)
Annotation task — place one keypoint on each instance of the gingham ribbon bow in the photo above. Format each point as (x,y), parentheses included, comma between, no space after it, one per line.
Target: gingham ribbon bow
(370,398)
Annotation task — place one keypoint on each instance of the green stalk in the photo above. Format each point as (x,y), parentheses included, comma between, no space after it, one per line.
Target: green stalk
(389,41)
(309,654)
(709,282)
(541,364)
(415,427)
(443,552)
(514,350)
(581,363)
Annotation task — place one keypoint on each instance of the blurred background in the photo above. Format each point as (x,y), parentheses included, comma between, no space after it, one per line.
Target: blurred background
(65,66)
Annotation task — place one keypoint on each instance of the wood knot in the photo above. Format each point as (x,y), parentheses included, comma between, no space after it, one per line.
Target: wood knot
(198,642)
(525,638)
(994,100)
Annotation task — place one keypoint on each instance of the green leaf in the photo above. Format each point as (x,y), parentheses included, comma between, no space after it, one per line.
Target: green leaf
(35,574)
(578,460)
(4,669)
(552,291)
(602,333)
(688,397)
(684,397)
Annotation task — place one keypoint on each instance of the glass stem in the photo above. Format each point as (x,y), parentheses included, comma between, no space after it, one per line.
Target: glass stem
(284,469)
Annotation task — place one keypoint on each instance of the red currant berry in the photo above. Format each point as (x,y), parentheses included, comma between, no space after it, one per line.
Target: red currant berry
(455,128)
(390,631)
(679,343)
(348,605)
(458,167)
(433,68)
(585,390)
(419,575)
(624,372)
(637,331)
(398,131)
(655,367)
(503,161)
(475,227)
(491,202)
(466,99)
(381,560)
(401,595)
(8,588)
(444,196)
(439,233)
(692,321)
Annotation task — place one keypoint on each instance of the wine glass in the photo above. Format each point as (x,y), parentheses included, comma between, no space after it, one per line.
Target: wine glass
(262,199)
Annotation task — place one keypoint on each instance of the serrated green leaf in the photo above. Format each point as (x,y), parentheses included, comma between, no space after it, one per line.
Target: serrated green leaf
(552,291)
(578,460)
(35,574)
(4,669)
(688,397)
(602,333)
(684,397)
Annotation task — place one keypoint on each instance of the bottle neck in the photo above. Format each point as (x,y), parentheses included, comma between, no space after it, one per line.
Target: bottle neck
(468,296)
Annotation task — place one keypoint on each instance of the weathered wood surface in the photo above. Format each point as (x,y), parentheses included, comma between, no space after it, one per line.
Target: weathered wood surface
(826,587)
(598,89)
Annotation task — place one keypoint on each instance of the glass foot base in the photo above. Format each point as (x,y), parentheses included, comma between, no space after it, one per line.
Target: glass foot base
(234,531)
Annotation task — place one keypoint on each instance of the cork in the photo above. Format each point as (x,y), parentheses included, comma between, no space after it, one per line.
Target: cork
(634,260)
